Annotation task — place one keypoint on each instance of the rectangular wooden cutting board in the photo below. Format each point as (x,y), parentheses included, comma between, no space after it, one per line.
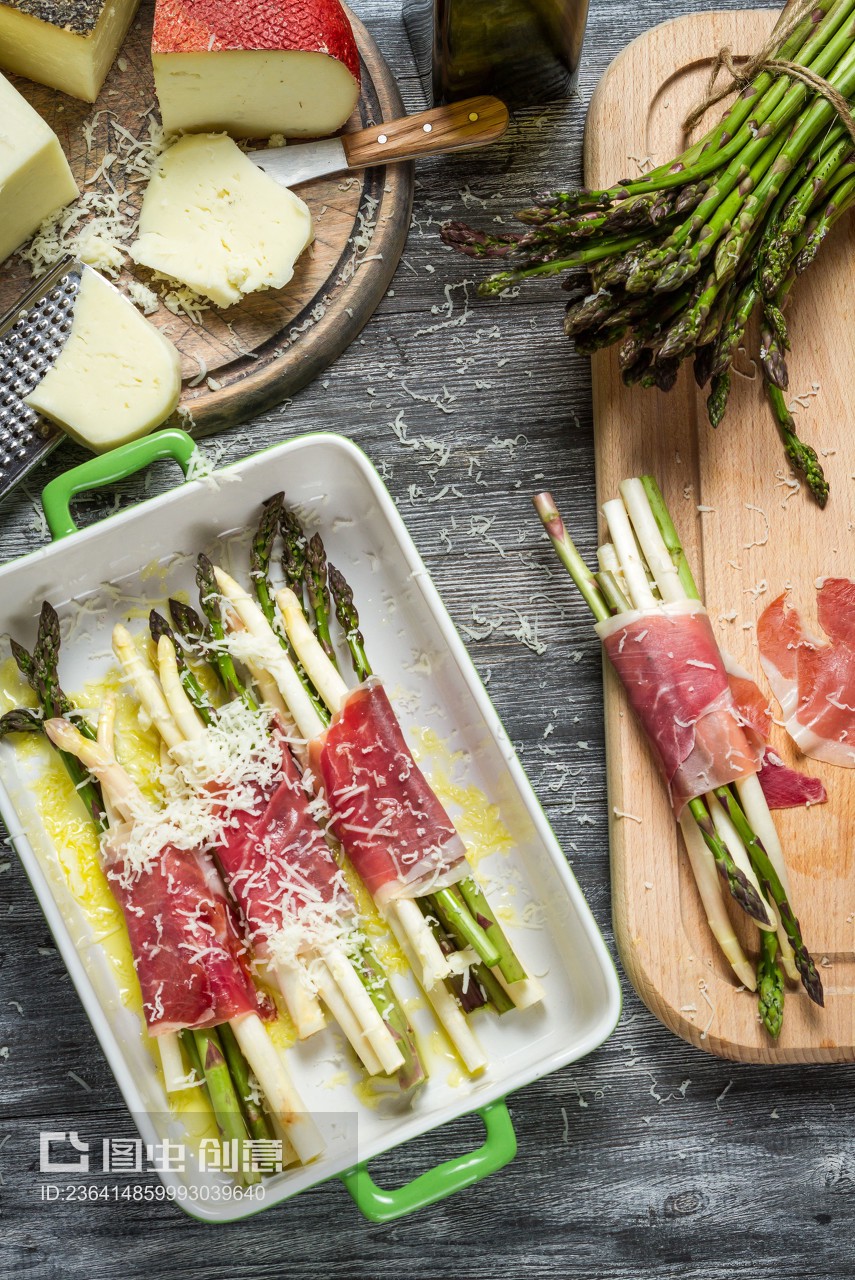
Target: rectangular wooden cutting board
(749,535)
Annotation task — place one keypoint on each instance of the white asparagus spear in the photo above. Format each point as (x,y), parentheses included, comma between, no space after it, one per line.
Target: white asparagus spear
(626,547)
(374,1028)
(709,888)
(145,685)
(269,1070)
(446,1008)
(268,653)
(183,712)
(345,1017)
(316,664)
(762,823)
(652,543)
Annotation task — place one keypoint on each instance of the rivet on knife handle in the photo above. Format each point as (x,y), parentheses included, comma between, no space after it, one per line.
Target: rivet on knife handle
(471,123)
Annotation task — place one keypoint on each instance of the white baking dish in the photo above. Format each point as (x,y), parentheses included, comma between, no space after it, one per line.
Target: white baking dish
(414,645)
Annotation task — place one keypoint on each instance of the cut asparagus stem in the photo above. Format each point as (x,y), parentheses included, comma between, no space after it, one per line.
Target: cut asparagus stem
(320,670)
(770,985)
(709,888)
(379,986)
(346,1018)
(476,900)
(256,1121)
(739,853)
(303,1008)
(282,1099)
(444,1005)
(466,924)
(209,598)
(756,811)
(145,686)
(612,593)
(586,583)
(373,1026)
(430,965)
(175,1076)
(268,653)
(316,588)
(629,555)
(671,538)
(224,1099)
(771,882)
(647,532)
(348,620)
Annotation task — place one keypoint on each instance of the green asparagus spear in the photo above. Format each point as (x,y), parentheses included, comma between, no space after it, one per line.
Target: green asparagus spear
(770,984)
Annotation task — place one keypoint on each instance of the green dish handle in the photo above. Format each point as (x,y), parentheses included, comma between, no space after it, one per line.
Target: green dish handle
(498,1149)
(109,468)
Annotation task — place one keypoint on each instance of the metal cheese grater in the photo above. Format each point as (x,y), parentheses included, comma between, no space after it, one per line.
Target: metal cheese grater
(32,334)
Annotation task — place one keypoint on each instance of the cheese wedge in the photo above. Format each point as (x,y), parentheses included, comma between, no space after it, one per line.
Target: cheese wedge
(116,378)
(69,46)
(35,179)
(251,68)
(214,221)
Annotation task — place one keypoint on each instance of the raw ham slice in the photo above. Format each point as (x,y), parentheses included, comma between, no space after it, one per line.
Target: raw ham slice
(670,665)
(392,826)
(814,679)
(280,869)
(783,787)
(188,956)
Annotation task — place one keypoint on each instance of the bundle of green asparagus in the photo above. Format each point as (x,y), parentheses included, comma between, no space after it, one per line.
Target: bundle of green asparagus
(679,260)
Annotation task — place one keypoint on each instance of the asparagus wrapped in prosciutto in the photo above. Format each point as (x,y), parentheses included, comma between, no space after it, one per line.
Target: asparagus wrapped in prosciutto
(659,640)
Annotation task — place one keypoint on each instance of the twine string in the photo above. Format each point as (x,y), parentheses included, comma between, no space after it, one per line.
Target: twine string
(791,16)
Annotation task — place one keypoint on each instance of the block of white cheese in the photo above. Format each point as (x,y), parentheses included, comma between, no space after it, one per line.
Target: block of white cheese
(67,44)
(252,68)
(116,378)
(214,221)
(35,179)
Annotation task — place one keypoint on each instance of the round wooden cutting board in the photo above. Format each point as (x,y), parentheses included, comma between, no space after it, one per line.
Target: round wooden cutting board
(258,352)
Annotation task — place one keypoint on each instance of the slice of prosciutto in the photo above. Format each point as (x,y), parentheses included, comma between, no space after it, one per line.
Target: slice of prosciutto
(280,869)
(393,828)
(670,665)
(783,787)
(190,960)
(814,678)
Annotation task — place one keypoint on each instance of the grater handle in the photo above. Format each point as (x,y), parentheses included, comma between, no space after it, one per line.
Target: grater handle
(109,468)
(498,1149)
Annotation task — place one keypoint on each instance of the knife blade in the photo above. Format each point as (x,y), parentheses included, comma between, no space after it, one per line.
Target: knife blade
(474,122)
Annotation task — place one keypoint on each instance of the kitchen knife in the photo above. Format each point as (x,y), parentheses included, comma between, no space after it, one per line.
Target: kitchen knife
(471,123)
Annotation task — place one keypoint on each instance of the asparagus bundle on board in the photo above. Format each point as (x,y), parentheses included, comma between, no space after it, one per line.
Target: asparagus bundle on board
(657,635)
(679,260)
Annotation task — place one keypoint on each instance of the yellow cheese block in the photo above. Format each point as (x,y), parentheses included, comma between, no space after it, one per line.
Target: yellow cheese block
(67,44)
(35,179)
(214,221)
(116,378)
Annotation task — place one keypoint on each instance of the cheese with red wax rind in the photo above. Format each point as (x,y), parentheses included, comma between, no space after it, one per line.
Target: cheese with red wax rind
(252,68)
(66,45)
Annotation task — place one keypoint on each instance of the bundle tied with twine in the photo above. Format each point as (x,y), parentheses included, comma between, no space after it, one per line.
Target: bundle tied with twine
(793,12)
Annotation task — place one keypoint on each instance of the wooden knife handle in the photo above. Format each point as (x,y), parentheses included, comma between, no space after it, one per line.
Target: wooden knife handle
(471,123)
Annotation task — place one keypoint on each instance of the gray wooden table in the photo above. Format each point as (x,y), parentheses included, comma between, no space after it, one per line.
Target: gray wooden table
(648,1158)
